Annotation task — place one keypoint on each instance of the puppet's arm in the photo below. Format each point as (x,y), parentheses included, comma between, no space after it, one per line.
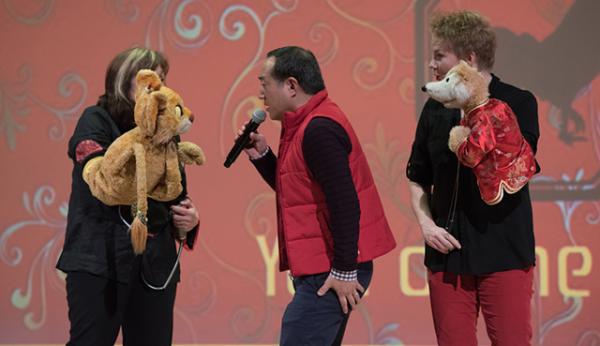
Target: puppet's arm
(100,174)
(480,141)
(189,153)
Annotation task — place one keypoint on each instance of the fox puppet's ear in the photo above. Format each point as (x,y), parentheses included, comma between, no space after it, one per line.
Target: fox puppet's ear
(464,70)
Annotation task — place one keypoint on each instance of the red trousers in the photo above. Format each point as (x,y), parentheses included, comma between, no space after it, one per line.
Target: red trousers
(503,297)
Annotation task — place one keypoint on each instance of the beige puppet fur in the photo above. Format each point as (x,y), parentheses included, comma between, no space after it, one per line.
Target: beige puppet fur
(500,157)
(463,87)
(144,162)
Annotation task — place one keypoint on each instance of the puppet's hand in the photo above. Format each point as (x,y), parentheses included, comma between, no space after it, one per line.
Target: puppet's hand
(458,134)
(190,153)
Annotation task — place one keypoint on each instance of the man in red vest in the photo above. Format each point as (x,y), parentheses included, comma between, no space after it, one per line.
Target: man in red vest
(331,223)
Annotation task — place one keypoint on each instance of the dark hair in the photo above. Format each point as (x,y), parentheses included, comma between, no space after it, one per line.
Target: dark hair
(117,84)
(299,63)
(466,32)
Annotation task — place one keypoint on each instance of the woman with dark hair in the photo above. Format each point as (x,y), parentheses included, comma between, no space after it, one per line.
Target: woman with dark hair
(108,287)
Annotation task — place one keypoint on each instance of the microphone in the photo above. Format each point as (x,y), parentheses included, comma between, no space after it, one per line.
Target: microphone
(258,116)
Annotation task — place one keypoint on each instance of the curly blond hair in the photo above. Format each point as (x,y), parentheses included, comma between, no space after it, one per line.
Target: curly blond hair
(466,32)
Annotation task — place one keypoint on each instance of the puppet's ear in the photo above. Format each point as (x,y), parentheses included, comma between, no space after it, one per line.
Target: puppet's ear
(147,108)
(146,81)
(147,104)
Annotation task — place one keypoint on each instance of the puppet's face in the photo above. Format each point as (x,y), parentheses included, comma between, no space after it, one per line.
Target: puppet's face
(159,110)
(457,87)
(175,118)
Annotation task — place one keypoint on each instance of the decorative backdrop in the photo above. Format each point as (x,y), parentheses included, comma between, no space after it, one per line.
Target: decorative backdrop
(374,57)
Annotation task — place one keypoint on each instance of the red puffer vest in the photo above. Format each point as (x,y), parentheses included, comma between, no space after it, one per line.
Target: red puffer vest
(305,242)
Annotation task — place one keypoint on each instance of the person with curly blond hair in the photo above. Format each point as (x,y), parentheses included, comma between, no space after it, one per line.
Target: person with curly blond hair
(479,257)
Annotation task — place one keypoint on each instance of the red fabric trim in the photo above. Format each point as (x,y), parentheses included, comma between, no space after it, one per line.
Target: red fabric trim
(86,148)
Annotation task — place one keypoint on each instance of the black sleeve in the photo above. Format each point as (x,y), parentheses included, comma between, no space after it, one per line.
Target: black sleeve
(326,147)
(526,111)
(92,136)
(419,168)
(192,235)
(266,167)
(527,116)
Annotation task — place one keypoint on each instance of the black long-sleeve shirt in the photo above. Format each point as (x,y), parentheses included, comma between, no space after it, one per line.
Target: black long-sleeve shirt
(493,238)
(326,147)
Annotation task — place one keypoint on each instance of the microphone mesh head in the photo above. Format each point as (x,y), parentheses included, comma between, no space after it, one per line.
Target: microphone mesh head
(258,116)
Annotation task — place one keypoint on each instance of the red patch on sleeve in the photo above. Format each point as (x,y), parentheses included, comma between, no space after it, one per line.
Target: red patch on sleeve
(86,148)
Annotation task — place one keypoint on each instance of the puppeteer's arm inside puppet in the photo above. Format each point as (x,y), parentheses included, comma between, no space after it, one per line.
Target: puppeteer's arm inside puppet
(480,142)
(100,175)
(98,184)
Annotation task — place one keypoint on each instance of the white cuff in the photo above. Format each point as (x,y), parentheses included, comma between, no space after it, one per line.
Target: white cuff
(344,275)
(260,156)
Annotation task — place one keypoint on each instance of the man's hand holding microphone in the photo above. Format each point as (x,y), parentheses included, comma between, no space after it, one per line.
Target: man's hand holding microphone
(248,140)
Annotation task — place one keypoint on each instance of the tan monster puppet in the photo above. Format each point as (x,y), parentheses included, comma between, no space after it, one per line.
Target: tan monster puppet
(144,162)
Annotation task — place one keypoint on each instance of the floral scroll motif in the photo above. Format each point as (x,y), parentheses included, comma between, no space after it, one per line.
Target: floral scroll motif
(16,99)
(33,296)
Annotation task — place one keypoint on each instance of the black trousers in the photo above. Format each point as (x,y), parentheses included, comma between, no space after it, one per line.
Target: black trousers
(99,307)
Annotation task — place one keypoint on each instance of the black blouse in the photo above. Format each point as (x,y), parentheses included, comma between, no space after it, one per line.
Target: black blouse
(493,238)
(97,240)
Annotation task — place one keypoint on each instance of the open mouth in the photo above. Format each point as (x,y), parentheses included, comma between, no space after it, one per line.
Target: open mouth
(184,126)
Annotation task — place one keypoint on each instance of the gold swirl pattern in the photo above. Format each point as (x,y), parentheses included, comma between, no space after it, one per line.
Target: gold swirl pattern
(36,17)
(41,269)
(231,291)
(182,36)
(14,101)
(316,34)
(243,112)
(265,225)
(370,64)
(126,10)
(388,166)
